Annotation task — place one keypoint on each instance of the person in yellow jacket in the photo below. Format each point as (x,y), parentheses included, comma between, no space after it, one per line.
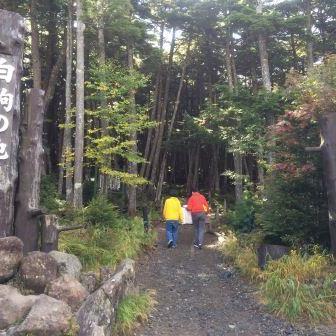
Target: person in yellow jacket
(173,215)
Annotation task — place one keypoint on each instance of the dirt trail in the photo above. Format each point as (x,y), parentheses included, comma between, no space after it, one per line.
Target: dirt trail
(195,298)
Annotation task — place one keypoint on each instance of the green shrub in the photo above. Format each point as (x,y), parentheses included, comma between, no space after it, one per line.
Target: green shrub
(133,310)
(109,237)
(294,211)
(101,212)
(242,218)
(49,199)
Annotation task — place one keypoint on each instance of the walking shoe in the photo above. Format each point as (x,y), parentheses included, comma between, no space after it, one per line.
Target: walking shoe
(174,246)
(196,245)
(170,244)
(200,246)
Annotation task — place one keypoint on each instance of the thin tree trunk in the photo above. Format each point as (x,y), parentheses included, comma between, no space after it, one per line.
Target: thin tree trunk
(228,64)
(35,47)
(194,183)
(164,112)
(190,170)
(293,46)
(263,55)
(67,134)
(238,167)
(103,121)
(310,56)
(171,126)
(12,33)
(79,138)
(132,166)
(156,99)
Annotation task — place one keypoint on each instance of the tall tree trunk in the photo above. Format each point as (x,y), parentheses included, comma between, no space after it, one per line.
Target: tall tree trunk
(196,158)
(66,166)
(171,127)
(295,57)
(79,138)
(132,166)
(104,179)
(11,51)
(263,55)
(328,130)
(309,24)
(35,47)
(191,154)
(228,64)
(238,167)
(31,157)
(164,112)
(146,165)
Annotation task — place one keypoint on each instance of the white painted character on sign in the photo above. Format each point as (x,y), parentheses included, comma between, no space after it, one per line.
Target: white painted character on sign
(6,99)
(5,125)
(6,71)
(3,153)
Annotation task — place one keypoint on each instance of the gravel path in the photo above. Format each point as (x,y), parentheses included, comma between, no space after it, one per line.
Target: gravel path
(196,299)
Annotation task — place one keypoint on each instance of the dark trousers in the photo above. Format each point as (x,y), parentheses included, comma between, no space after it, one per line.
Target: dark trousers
(198,219)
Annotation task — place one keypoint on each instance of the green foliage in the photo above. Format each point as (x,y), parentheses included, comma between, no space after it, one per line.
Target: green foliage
(132,310)
(110,85)
(294,210)
(242,217)
(109,237)
(300,287)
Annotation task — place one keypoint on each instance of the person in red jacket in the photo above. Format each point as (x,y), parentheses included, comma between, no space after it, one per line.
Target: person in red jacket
(198,206)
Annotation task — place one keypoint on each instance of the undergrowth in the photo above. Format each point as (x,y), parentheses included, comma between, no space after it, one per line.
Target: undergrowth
(133,310)
(297,286)
(108,238)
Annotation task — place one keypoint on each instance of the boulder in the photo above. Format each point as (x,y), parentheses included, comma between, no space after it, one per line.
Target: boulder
(97,314)
(37,270)
(68,264)
(11,253)
(90,281)
(69,290)
(47,317)
(121,283)
(13,305)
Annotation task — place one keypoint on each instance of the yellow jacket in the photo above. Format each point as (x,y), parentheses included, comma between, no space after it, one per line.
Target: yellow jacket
(172,209)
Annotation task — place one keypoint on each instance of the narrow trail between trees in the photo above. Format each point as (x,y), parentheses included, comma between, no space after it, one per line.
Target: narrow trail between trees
(195,297)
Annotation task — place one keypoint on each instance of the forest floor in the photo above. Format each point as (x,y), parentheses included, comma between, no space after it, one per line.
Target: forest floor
(195,298)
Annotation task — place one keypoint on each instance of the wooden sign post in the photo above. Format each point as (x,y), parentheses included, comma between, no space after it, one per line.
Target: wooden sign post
(12,32)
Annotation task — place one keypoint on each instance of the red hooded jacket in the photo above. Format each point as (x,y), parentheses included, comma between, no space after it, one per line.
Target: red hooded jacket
(197,203)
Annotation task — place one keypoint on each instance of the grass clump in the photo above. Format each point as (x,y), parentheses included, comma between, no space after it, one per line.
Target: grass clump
(242,255)
(300,287)
(133,310)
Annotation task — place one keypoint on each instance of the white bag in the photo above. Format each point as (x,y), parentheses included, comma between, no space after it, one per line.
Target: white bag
(186,215)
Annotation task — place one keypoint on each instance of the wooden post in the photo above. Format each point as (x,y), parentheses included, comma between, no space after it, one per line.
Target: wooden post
(50,233)
(11,51)
(26,225)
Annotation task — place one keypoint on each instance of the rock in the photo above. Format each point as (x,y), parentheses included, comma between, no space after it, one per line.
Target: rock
(97,314)
(11,253)
(89,281)
(94,316)
(105,273)
(37,270)
(47,317)
(121,282)
(13,305)
(68,264)
(69,290)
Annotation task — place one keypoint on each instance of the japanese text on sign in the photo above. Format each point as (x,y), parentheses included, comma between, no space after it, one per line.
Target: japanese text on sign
(6,103)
